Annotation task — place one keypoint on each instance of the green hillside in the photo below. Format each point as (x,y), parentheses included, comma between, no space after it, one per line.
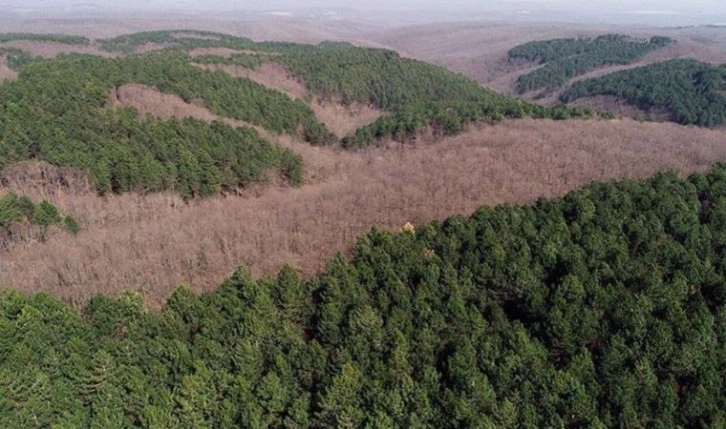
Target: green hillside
(690,91)
(605,308)
(60,110)
(564,59)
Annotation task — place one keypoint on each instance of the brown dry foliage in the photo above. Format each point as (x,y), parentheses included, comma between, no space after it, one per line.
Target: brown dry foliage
(344,119)
(150,101)
(152,243)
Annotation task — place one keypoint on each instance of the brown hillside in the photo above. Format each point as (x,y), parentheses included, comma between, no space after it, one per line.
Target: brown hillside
(52,49)
(153,243)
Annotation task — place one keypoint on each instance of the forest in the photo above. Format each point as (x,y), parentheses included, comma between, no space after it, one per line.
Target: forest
(603,308)
(690,91)
(60,111)
(564,59)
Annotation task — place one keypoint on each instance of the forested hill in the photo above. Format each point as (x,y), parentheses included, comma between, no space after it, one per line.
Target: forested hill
(61,110)
(690,91)
(605,308)
(564,59)
(415,94)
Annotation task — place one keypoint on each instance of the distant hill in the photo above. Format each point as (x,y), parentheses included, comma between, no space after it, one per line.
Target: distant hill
(563,59)
(691,92)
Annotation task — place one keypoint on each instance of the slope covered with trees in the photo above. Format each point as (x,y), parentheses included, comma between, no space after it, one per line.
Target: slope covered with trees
(605,308)
(58,111)
(691,91)
(564,59)
(415,94)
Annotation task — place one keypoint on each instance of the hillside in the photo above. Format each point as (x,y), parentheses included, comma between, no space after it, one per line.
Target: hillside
(564,59)
(691,92)
(480,49)
(413,95)
(605,308)
(50,115)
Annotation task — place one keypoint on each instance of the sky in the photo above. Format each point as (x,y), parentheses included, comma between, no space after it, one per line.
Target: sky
(663,12)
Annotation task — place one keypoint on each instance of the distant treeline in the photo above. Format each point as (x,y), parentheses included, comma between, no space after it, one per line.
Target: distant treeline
(691,91)
(602,309)
(58,38)
(564,59)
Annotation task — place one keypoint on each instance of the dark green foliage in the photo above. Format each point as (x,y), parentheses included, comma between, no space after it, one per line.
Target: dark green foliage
(45,214)
(691,91)
(605,308)
(57,111)
(564,59)
(58,38)
(71,225)
(16,209)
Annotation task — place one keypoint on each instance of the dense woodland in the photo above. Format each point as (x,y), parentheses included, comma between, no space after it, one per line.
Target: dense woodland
(690,91)
(564,59)
(605,308)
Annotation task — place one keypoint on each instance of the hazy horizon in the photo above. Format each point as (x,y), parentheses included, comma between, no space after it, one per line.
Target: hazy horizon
(670,13)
